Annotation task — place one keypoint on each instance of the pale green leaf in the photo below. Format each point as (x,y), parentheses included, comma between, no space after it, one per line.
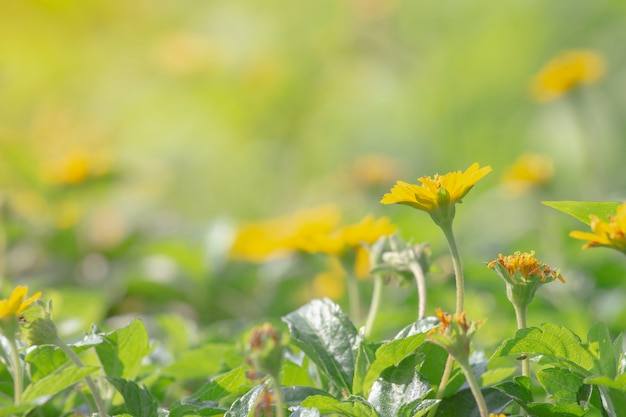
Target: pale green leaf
(122,350)
(56,382)
(581,210)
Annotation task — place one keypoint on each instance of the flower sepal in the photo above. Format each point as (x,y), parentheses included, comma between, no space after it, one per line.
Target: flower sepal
(454,334)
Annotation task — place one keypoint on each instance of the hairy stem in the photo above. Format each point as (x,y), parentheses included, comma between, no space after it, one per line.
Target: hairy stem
(18,374)
(520,315)
(456,264)
(420,280)
(371,315)
(478,395)
(92,386)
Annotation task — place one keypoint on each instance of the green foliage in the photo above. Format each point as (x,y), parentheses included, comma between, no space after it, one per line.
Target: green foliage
(581,210)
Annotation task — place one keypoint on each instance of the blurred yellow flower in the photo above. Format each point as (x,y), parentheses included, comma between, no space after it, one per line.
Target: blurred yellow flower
(528,170)
(370,170)
(269,239)
(75,167)
(16,304)
(438,193)
(566,71)
(611,234)
(367,231)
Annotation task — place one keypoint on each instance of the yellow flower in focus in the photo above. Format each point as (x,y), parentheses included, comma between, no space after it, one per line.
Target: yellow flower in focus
(526,265)
(566,71)
(611,234)
(528,170)
(269,239)
(437,195)
(16,304)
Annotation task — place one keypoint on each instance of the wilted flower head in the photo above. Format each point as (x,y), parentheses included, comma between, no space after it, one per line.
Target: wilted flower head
(454,334)
(437,195)
(17,303)
(566,71)
(265,348)
(611,234)
(523,274)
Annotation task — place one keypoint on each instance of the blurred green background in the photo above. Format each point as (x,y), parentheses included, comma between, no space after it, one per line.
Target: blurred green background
(136,137)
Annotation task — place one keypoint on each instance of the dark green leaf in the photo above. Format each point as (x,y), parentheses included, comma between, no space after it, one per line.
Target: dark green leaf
(56,382)
(189,406)
(520,389)
(244,406)
(417,408)
(560,383)
(364,359)
(328,337)
(556,410)
(390,354)
(122,350)
(398,385)
(295,395)
(464,400)
(434,362)
(138,401)
(581,210)
(354,406)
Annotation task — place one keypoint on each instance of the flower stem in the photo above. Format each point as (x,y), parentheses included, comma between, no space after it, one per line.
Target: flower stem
(445,377)
(375,303)
(478,395)
(18,375)
(279,402)
(92,386)
(420,280)
(456,264)
(520,315)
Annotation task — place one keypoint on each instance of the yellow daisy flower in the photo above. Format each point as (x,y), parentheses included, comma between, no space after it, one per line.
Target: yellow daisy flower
(437,195)
(16,304)
(566,71)
(611,234)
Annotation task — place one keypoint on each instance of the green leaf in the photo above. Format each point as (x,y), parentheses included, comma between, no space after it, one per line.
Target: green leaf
(390,354)
(420,326)
(464,400)
(56,382)
(556,410)
(233,382)
(294,374)
(434,362)
(619,383)
(295,395)
(398,385)
(582,209)
(560,383)
(244,406)
(364,359)
(305,412)
(417,408)
(354,406)
(138,401)
(195,363)
(324,332)
(557,342)
(520,389)
(44,360)
(606,351)
(14,410)
(188,406)
(122,350)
